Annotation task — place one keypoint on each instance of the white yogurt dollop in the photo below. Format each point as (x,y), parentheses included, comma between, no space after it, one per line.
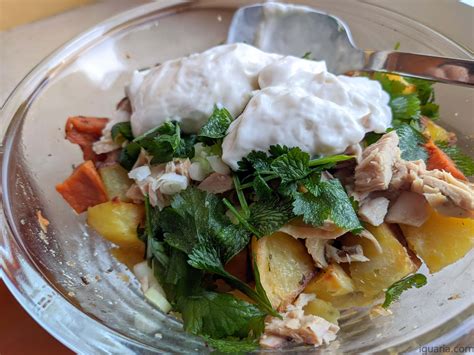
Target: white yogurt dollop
(293,117)
(186,89)
(287,100)
(305,106)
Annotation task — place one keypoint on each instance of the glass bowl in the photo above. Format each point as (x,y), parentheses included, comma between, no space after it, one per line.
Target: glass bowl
(67,280)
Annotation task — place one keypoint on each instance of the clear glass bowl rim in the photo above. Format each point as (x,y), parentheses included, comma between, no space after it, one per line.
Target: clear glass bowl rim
(457,328)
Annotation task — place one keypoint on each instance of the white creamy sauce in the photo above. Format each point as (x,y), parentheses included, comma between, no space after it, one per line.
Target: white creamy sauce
(186,89)
(280,100)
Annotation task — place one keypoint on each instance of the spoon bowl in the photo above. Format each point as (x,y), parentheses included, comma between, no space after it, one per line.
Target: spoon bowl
(299,30)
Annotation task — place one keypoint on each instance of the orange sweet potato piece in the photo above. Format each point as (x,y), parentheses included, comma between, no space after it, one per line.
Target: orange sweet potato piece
(84,188)
(84,131)
(437,159)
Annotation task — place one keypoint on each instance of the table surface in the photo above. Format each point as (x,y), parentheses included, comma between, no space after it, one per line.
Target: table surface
(28,44)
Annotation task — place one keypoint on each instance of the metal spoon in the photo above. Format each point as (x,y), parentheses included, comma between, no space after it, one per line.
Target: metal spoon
(295,30)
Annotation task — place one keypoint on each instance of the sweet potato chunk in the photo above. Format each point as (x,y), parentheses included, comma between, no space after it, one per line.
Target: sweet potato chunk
(117,221)
(382,269)
(441,240)
(84,131)
(437,159)
(284,265)
(84,188)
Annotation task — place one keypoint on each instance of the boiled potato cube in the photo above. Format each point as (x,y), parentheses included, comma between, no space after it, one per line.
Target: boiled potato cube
(116,181)
(117,221)
(332,282)
(322,309)
(382,269)
(284,265)
(441,240)
(355,299)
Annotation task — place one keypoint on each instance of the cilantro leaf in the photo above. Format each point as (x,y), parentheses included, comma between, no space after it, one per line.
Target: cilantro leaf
(405,107)
(424,89)
(219,315)
(255,161)
(129,155)
(430,110)
(262,190)
(122,130)
(291,166)
(269,215)
(332,159)
(330,203)
(392,87)
(165,142)
(394,291)
(277,150)
(463,162)
(196,224)
(217,124)
(411,143)
(232,345)
(307,55)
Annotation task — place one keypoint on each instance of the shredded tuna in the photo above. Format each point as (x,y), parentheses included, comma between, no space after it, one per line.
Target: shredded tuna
(316,247)
(298,327)
(374,172)
(106,144)
(299,230)
(217,183)
(347,254)
(410,208)
(373,210)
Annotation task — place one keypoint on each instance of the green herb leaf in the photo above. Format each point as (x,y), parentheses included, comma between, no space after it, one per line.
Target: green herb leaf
(396,47)
(255,162)
(122,130)
(430,110)
(393,87)
(129,155)
(424,89)
(232,345)
(393,292)
(463,162)
(270,215)
(261,188)
(217,124)
(166,142)
(219,315)
(333,159)
(372,137)
(411,143)
(405,107)
(307,55)
(291,166)
(331,202)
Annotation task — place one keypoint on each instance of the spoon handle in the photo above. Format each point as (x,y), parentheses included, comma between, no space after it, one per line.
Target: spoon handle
(446,70)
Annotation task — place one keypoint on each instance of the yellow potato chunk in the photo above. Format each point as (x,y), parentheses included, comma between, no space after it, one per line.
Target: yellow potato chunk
(435,132)
(322,309)
(116,181)
(382,269)
(441,240)
(117,221)
(284,265)
(332,282)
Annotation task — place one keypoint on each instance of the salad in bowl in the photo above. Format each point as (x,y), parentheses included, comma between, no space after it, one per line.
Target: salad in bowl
(256,195)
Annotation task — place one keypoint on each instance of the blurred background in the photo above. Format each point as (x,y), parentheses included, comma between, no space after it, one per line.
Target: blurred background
(31,29)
